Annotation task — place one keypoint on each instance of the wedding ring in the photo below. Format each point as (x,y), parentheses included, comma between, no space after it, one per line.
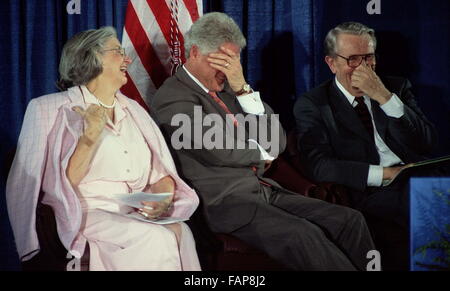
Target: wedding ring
(226,65)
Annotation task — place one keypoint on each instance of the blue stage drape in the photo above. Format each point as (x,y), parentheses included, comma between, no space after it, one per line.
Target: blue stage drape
(33,33)
(283,58)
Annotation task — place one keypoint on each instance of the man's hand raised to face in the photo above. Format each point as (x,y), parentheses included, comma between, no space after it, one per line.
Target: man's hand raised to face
(229,63)
(365,79)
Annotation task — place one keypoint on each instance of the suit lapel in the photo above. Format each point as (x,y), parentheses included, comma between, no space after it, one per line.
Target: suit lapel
(184,78)
(380,119)
(345,113)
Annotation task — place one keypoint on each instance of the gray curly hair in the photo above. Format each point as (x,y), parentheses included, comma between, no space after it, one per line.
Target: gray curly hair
(354,28)
(211,31)
(79,62)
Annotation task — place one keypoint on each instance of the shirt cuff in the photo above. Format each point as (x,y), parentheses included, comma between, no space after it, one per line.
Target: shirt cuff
(251,103)
(375,177)
(264,155)
(394,107)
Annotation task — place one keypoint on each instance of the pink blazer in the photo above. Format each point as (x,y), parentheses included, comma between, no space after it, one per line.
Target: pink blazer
(48,138)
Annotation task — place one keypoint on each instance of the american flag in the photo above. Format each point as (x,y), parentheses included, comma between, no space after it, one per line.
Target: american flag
(153,39)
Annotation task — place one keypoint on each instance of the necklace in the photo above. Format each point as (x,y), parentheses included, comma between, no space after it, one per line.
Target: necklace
(107,106)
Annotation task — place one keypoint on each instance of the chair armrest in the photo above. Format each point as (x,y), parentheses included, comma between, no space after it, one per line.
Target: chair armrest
(331,192)
(288,177)
(233,244)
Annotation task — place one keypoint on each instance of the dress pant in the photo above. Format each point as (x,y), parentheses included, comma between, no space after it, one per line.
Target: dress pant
(308,234)
(392,202)
(387,213)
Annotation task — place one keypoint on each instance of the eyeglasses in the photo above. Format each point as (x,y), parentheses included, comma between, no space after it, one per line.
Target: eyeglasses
(356,60)
(120,51)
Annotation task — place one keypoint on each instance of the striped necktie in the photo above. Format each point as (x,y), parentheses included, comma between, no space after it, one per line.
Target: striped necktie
(225,108)
(364,115)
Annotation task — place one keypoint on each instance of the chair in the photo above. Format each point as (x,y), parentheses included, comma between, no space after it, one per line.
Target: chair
(327,191)
(52,256)
(217,251)
(224,252)
(236,255)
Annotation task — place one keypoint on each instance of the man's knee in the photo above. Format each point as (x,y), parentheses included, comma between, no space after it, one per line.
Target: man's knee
(304,233)
(347,215)
(355,215)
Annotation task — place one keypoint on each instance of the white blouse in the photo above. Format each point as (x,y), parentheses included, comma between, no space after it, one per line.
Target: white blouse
(122,162)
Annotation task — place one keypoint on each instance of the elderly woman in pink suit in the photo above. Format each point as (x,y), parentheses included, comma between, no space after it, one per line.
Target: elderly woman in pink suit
(80,146)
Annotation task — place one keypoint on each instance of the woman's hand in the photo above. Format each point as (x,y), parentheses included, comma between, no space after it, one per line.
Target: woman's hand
(153,210)
(95,118)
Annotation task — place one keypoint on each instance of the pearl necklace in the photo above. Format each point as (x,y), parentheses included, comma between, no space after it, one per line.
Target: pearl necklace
(106,106)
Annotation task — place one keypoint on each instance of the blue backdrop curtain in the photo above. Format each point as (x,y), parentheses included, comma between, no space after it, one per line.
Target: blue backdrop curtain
(32,35)
(283,58)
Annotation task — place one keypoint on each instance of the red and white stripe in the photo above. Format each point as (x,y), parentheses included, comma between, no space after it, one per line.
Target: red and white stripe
(153,39)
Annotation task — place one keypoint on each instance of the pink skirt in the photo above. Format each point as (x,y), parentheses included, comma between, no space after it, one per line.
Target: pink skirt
(125,244)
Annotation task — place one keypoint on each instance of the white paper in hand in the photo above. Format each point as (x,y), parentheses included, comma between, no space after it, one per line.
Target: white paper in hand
(159,220)
(135,199)
(137,216)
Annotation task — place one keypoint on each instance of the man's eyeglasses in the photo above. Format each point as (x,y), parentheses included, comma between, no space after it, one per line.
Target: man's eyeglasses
(120,51)
(356,60)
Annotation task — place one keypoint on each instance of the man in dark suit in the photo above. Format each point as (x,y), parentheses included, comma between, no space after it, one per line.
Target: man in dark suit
(210,89)
(359,130)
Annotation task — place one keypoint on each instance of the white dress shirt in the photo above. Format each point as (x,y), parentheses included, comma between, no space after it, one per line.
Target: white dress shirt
(393,108)
(250,103)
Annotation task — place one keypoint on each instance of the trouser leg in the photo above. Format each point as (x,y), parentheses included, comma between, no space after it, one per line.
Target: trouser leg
(387,213)
(344,226)
(293,241)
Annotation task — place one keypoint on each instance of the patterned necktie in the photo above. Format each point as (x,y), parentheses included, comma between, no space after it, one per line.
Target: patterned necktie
(364,115)
(224,106)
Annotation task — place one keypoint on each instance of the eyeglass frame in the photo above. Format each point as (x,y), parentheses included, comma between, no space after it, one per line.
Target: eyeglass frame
(363,57)
(121,51)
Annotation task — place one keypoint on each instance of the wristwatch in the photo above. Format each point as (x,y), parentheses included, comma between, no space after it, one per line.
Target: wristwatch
(246,89)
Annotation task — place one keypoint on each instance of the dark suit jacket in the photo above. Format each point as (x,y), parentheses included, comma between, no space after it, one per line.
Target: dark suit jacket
(335,146)
(223,178)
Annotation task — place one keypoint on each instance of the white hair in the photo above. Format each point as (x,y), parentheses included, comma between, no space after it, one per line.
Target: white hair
(211,31)
(354,28)
(79,62)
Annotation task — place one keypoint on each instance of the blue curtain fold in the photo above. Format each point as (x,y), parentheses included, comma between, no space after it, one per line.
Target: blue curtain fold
(281,48)
(32,34)
(283,59)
